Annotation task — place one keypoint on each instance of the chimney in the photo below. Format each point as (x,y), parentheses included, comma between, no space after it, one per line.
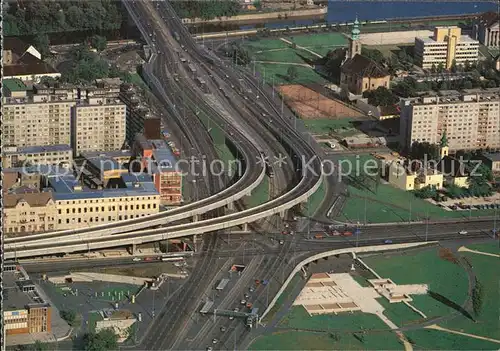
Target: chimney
(152,128)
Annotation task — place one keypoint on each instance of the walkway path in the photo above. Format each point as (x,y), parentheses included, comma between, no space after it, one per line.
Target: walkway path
(437,327)
(301,47)
(464,249)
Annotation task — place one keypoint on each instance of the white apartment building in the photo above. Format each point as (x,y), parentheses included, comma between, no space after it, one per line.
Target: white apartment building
(13,156)
(445,46)
(98,124)
(38,117)
(470,119)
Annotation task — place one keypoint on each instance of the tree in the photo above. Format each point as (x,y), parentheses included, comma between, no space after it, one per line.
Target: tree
(374,54)
(477,298)
(440,67)
(433,68)
(40,346)
(426,192)
(41,43)
(380,97)
(424,151)
(98,42)
(69,316)
(104,340)
(453,67)
(292,73)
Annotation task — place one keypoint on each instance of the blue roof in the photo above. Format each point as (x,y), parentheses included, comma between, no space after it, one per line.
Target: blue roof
(39,149)
(64,184)
(104,163)
(131,178)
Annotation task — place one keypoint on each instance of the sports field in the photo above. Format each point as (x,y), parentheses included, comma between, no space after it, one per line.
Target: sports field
(309,104)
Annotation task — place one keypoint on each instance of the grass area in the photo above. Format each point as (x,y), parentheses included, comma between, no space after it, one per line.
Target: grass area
(399,313)
(136,79)
(300,340)
(93,318)
(224,153)
(277,73)
(425,267)
(388,50)
(325,126)
(425,339)
(491,247)
(315,200)
(385,203)
(486,270)
(285,55)
(281,299)
(332,40)
(254,46)
(259,194)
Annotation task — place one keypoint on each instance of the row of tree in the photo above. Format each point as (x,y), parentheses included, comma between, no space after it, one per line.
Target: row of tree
(40,16)
(207,9)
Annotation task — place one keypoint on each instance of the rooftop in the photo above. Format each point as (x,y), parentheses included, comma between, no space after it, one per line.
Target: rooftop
(453,96)
(36,149)
(14,84)
(463,39)
(104,163)
(364,67)
(494,157)
(34,199)
(14,297)
(111,154)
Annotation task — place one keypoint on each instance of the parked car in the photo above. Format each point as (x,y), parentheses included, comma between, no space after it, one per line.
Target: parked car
(388,241)
(462,232)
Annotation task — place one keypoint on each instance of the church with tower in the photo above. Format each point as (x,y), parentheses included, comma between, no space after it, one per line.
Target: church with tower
(359,73)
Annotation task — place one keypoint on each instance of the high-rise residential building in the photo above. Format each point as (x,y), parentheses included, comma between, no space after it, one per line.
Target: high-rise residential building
(98,124)
(470,119)
(37,117)
(445,47)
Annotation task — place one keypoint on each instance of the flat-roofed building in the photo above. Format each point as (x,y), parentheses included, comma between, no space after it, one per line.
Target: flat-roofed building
(104,168)
(470,119)
(36,118)
(98,124)
(79,207)
(14,156)
(446,46)
(159,161)
(24,310)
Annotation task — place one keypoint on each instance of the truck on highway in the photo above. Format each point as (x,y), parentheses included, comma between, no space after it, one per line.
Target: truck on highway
(192,69)
(177,36)
(319,236)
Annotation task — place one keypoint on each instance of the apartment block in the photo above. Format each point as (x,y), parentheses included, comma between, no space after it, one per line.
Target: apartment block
(98,124)
(37,117)
(444,47)
(14,156)
(470,119)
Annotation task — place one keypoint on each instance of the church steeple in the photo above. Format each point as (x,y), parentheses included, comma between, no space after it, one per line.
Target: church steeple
(443,146)
(355,30)
(354,42)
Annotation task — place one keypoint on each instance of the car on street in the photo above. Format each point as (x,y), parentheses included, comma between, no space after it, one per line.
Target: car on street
(462,232)
(209,348)
(247,296)
(388,241)
(136,259)
(243,302)
(231,318)
(236,309)
(282,242)
(223,329)
(251,289)
(215,341)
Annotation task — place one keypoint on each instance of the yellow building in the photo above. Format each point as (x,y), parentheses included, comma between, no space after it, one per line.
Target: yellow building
(446,46)
(401,176)
(359,73)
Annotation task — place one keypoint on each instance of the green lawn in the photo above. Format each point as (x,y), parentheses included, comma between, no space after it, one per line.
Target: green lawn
(425,339)
(93,318)
(136,79)
(282,298)
(315,200)
(325,126)
(425,267)
(299,340)
(486,269)
(277,74)
(385,203)
(491,247)
(285,55)
(334,39)
(264,44)
(259,194)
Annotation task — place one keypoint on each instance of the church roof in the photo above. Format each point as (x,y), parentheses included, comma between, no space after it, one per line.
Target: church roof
(363,66)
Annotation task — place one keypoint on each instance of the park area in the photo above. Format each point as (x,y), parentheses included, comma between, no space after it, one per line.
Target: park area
(450,323)
(370,199)
(274,56)
(309,104)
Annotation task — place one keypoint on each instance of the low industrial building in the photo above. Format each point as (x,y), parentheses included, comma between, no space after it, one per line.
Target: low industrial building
(13,156)
(446,47)
(24,310)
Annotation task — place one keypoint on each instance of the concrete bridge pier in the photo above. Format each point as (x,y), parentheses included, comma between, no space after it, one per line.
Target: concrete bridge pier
(196,218)
(133,248)
(195,242)
(230,206)
(244,227)
(283,214)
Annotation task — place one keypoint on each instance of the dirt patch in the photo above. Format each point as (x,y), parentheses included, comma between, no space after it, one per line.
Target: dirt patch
(447,255)
(309,104)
